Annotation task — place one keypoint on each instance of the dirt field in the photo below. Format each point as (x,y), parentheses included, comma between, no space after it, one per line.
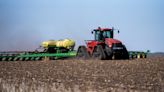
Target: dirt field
(140,75)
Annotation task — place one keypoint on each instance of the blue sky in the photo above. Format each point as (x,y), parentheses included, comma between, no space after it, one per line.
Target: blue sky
(24,24)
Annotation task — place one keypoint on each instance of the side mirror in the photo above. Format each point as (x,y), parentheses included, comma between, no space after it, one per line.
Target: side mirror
(148,51)
(92,32)
(118,31)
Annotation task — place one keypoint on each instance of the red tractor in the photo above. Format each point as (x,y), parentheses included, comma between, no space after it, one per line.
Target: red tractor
(103,47)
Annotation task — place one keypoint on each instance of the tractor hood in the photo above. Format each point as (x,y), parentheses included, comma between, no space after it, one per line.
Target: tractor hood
(110,41)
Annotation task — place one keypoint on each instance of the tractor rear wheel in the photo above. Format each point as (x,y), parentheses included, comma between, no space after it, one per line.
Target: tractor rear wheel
(82,53)
(98,53)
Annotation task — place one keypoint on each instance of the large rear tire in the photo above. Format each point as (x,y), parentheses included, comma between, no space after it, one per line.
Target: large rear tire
(82,53)
(98,53)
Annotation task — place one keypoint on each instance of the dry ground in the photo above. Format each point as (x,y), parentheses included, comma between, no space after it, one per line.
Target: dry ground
(140,75)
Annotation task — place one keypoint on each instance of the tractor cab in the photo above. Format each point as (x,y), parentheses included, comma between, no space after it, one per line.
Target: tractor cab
(101,33)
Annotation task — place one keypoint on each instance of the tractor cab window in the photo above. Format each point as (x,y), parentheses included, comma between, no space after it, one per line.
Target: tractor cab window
(101,35)
(108,34)
(97,35)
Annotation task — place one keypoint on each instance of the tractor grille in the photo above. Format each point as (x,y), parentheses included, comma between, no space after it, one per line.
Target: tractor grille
(117,46)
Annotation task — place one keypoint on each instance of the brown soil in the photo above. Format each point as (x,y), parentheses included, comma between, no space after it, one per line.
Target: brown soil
(139,75)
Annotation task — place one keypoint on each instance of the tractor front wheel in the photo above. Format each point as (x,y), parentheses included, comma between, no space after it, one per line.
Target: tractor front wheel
(125,53)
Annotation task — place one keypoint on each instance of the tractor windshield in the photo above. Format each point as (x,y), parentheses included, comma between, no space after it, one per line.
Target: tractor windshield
(101,35)
(106,34)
